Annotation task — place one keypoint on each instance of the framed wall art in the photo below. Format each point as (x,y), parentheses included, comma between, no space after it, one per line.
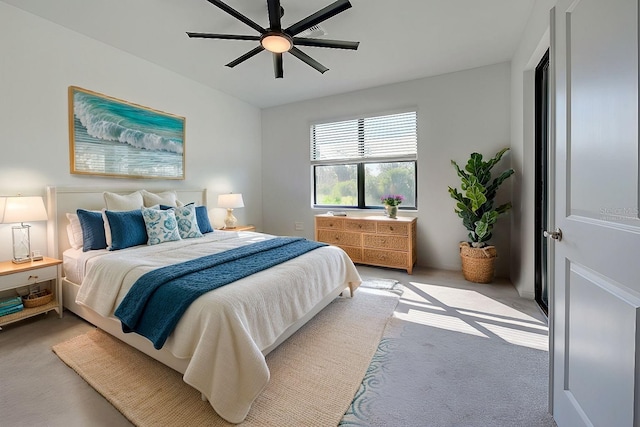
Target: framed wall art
(115,138)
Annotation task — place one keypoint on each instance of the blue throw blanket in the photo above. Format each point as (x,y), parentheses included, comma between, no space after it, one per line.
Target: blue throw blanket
(157,300)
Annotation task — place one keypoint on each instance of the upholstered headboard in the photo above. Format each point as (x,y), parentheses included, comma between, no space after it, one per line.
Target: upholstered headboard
(61,200)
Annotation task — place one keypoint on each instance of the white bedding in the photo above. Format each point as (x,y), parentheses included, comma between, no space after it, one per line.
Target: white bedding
(225,331)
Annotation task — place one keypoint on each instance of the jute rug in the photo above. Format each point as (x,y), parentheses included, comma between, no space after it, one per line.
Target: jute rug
(314,374)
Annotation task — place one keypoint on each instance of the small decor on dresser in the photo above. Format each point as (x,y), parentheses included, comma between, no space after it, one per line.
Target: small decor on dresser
(391,202)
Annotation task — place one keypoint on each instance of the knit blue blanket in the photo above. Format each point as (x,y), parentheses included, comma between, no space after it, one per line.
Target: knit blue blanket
(158,299)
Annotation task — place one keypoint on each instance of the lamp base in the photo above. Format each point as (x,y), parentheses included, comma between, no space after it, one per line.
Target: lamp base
(20,260)
(230,221)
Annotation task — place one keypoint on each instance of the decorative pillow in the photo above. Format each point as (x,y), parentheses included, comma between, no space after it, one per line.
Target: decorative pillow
(118,202)
(93,236)
(202,216)
(169,198)
(161,225)
(127,229)
(74,231)
(187,222)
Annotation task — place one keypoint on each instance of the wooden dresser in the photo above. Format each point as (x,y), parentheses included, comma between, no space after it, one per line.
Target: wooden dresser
(372,240)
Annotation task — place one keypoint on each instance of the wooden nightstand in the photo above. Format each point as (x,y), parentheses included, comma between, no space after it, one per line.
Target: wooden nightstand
(16,276)
(239,228)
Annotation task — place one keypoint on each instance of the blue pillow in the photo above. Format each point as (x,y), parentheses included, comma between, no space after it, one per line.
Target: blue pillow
(92,225)
(202,216)
(127,229)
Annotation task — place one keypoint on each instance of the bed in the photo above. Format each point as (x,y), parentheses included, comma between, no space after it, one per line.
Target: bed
(220,343)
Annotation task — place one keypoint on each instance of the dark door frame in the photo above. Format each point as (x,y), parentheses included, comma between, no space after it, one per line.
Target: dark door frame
(541,181)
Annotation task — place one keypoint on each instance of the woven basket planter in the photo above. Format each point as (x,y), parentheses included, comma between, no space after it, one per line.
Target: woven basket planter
(478,264)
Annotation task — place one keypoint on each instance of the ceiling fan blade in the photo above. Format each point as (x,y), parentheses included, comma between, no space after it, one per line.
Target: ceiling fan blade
(231,11)
(222,36)
(277,65)
(274,14)
(309,60)
(246,56)
(336,44)
(318,17)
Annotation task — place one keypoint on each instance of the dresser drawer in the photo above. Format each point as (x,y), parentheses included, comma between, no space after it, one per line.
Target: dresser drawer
(399,243)
(393,228)
(386,258)
(330,223)
(359,226)
(30,277)
(339,238)
(354,253)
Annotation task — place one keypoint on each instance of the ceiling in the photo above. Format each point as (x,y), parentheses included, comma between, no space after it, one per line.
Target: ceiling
(400,40)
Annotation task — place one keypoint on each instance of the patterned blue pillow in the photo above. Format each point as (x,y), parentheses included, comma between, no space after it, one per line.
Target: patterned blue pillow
(187,222)
(92,225)
(127,229)
(161,225)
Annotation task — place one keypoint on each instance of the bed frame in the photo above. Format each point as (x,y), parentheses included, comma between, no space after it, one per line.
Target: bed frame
(61,200)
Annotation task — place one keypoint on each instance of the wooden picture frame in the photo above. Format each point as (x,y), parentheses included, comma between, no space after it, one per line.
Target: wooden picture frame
(115,138)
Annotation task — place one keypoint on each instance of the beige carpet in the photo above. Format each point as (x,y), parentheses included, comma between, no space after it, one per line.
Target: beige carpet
(314,374)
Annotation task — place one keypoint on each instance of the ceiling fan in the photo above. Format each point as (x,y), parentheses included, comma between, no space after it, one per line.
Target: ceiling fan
(278,40)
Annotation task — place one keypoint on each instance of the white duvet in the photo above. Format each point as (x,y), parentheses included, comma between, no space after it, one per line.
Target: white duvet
(225,331)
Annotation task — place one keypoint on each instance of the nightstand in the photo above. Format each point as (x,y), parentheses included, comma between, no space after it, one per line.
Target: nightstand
(17,276)
(239,228)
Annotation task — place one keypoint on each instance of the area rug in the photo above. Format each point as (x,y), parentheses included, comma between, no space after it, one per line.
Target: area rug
(314,374)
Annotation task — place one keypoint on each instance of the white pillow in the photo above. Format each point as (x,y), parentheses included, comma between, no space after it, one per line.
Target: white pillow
(161,225)
(74,231)
(167,198)
(118,202)
(187,222)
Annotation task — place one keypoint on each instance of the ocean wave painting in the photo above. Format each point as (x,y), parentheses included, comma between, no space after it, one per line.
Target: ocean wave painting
(116,138)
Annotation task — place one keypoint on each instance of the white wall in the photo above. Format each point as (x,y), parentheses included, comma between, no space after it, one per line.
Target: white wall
(458,113)
(39,60)
(532,46)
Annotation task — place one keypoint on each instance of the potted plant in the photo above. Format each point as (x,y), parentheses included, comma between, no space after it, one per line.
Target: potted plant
(475,205)
(391,202)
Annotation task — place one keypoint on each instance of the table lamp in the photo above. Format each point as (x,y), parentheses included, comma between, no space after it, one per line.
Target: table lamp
(230,202)
(22,209)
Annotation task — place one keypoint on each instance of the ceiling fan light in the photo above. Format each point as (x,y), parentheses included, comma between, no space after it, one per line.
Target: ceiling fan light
(276,43)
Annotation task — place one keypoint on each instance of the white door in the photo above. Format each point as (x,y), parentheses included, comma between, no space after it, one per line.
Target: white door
(596,274)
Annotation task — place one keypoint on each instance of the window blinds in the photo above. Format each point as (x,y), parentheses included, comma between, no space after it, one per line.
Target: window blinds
(391,136)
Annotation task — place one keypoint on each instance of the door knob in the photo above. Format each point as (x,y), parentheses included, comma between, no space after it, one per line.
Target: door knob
(556,235)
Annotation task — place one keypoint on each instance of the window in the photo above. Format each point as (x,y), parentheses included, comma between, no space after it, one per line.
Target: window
(357,161)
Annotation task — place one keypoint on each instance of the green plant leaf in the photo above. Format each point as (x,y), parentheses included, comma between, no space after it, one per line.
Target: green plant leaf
(476,195)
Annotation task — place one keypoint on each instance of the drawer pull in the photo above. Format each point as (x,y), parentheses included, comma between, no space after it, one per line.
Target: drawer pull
(33,277)
(391,228)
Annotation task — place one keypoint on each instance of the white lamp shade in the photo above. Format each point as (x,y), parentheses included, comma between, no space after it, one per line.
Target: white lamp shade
(24,209)
(230,201)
